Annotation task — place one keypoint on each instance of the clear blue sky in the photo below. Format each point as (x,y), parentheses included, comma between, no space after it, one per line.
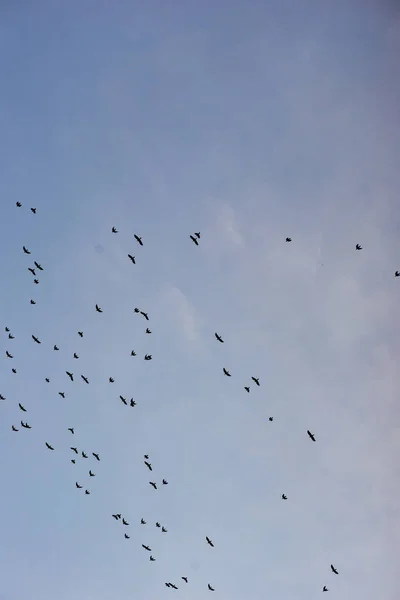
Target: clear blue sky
(249,122)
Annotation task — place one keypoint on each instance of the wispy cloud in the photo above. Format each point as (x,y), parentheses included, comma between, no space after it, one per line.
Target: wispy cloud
(224,232)
(183,312)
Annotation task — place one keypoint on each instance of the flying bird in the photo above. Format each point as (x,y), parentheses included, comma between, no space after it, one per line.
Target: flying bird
(148,357)
(270,418)
(132,258)
(32,301)
(334,570)
(127,537)
(25,250)
(163,530)
(73,460)
(36,281)
(133,353)
(33,210)
(358,247)
(38,266)
(10,337)
(123,400)
(247,389)
(152,559)
(158,524)
(87,492)
(92,474)
(148,330)
(2,397)
(288,239)
(165,482)
(25,425)
(75,355)
(146,316)
(14,370)
(55,347)
(325,589)
(84,455)
(18,204)
(113,230)
(185,579)
(284,497)
(6,329)
(8,354)
(61,394)
(146,548)
(153,484)
(116,517)
(226,372)
(80,333)
(71,429)
(125,522)
(70,375)
(210,588)
(173,586)
(97,457)
(85,379)
(74,449)
(139,239)
(35,339)
(209,542)
(256,380)
(142,522)
(98,308)
(397,274)
(111,380)
(49,447)
(194,240)
(22,407)
(146,456)
(32,271)
(219,338)
(136,310)
(14,428)
(197,234)
(311,435)
(133,402)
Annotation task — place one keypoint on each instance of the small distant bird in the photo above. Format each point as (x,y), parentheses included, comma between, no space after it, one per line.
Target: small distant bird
(116,517)
(158,524)
(311,435)
(146,316)
(18,204)
(111,380)
(32,271)
(32,302)
(256,380)
(71,429)
(73,460)
(97,457)
(33,210)
(152,559)
(80,333)
(35,339)
(148,330)
(219,338)
(49,447)
(6,329)
(139,239)
(325,589)
(47,379)
(148,357)
(210,588)
(194,240)
(8,354)
(10,337)
(125,522)
(153,484)
(84,455)
(22,407)
(168,584)
(358,247)
(2,397)
(334,570)
(123,400)
(146,548)
(165,482)
(284,497)
(127,537)
(92,474)
(226,372)
(142,522)
(288,239)
(133,353)
(270,418)
(114,230)
(136,310)
(132,402)
(25,425)
(163,530)
(74,449)
(78,486)
(14,370)
(132,258)
(87,492)
(247,389)
(173,586)
(36,281)
(38,266)
(185,579)
(61,394)
(14,428)
(70,375)
(209,542)
(397,274)
(85,379)
(146,456)
(197,234)
(98,308)
(75,355)
(25,250)
(55,347)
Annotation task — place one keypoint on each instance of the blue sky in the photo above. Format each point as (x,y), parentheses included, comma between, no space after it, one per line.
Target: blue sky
(249,122)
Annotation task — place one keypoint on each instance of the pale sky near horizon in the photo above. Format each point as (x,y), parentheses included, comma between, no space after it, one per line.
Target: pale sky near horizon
(249,122)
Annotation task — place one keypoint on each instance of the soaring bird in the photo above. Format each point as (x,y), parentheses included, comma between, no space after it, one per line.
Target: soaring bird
(325,589)
(397,274)
(256,380)
(49,447)
(226,372)
(136,310)
(36,281)
(139,239)
(334,570)
(152,559)
(83,454)
(288,239)
(116,517)
(127,537)
(25,250)
(246,387)
(133,353)
(32,301)
(168,584)
(123,400)
(71,429)
(145,314)
(70,375)
(35,339)
(194,240)
(2,397)
(61,394)
(78,486)
(210,588)
(92,474)
(185,579)
(32,271)
(173,586)
(125,522)
(165,482)
(148,357)
(75,355)
(25,425)
(133,402)
(10,337)
(132,258)
(80,333)
(74,449)
(87,492)
(358,247)
(14,428)
(146,456)
(22,407)
(142,522)
(14,370)
(209,542)
(18,204)
(73,460)
(33,210)
(97,457)
(197,234)
(113,230)
(219,338)
(270,418)
(284,497)
(98,308)
(158,524)
(148,330)
(38,266)
(85,379)
(153,484)
(6,329)
(146,548)
(311,435)
(55,347)
(163,529)
(8,354)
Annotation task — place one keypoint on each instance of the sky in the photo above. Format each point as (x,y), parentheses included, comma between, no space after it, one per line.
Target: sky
(248,121)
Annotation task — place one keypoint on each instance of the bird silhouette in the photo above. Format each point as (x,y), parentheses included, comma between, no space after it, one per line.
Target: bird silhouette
(123,400)
(98,308)
(132,402)
(138,239)
(146,548)
(127,537)
(87,492)
(71,429)
(209,542)
(36,281)
(197,234)
(14,370)
(148,357)
(158,524)
(14,428)
(70,375)
(153,484)
(111,380)
(142,522)
(247,389)
(163,530)
(10,337)
(210,588)
(8,354)
(35,339)
(226,372)
(32,271)
(136,310)
(47,379)
(85,379)
(125,522)
(152,559)
(74,449)
(173,586)
(2,397)
(75,355)
(133,353)
(270,418)
(38,266)
(25,250)
(22,407)
(185,579)
(256,380)
(116,517)
(61,394)
(148,465)
(194,240)
(18,204)
(97,457)
(33,210)
(55,347)
(219,338)
(288,239)
(32,301)
(114,230)
(80,333)
(148,330)
(83,454)
(92,474)
(311,435)
(397,274)
(25,425)
(284,497)
(48,446)
(325,589)
(73,460)
(165,482)
(132,258)
(358,247)
(334,570)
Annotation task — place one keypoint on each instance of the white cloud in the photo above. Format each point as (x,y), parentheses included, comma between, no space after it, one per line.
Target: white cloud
(183,311)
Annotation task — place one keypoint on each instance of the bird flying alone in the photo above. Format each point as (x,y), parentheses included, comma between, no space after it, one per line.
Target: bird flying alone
(209,542)
(358,247)
(288,239)
(26,251)
(325,589)
(35,339)
(397,274)
(210,588)
(48,446)
(226,372)
(114,230)
(98,308)
(194,240)
(334,570)
(219,338)
(311,435)
(153,484)
(256,380)
(132,258)
(138,239)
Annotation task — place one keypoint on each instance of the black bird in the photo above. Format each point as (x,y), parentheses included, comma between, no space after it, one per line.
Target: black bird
(111,380)
(311,435)
(22,407)
(209,542)
(163,530)
(98,308)
(334,570)
(173,586)
(247,389)
(146,548)
(133,353)
(33,210)
(210,588)
(358,247)
(194,240)
(133,402)
(116,517)
(197,234)
(74,449)
(55,347)
(10,337)
(152,559)
(49,447)
(397,274)
(36,281)
(25,425)
(146,456)
(6,329)
(8,354)
(80,333)
(142,522)
(61,394)
(124,400)
(153,484)
(113,230)
(165,482)
(127,537)
(32,271)
(226,372)
(270,418)
(284,497)
(85,379)
(219,338)
(75,355)
(158,524)
(256,380)
(92,474)
(25,250)
(125,522)
(70,375)
(14,428)
(146,316)
(325,589)
(14,370)
(71,429)
(38,266)
(97,457)
(18,204)
(35,339)
(84,455)
(148,357)
(139,239)
(32,302)
(132,258)
(73,460)
(288,239)
(136,310)
(148,330)
(2,397)
(168,584)
(87,492)
(185,579)
(47,379)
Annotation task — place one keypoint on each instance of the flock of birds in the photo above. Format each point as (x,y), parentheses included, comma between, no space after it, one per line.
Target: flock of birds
(195,237)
